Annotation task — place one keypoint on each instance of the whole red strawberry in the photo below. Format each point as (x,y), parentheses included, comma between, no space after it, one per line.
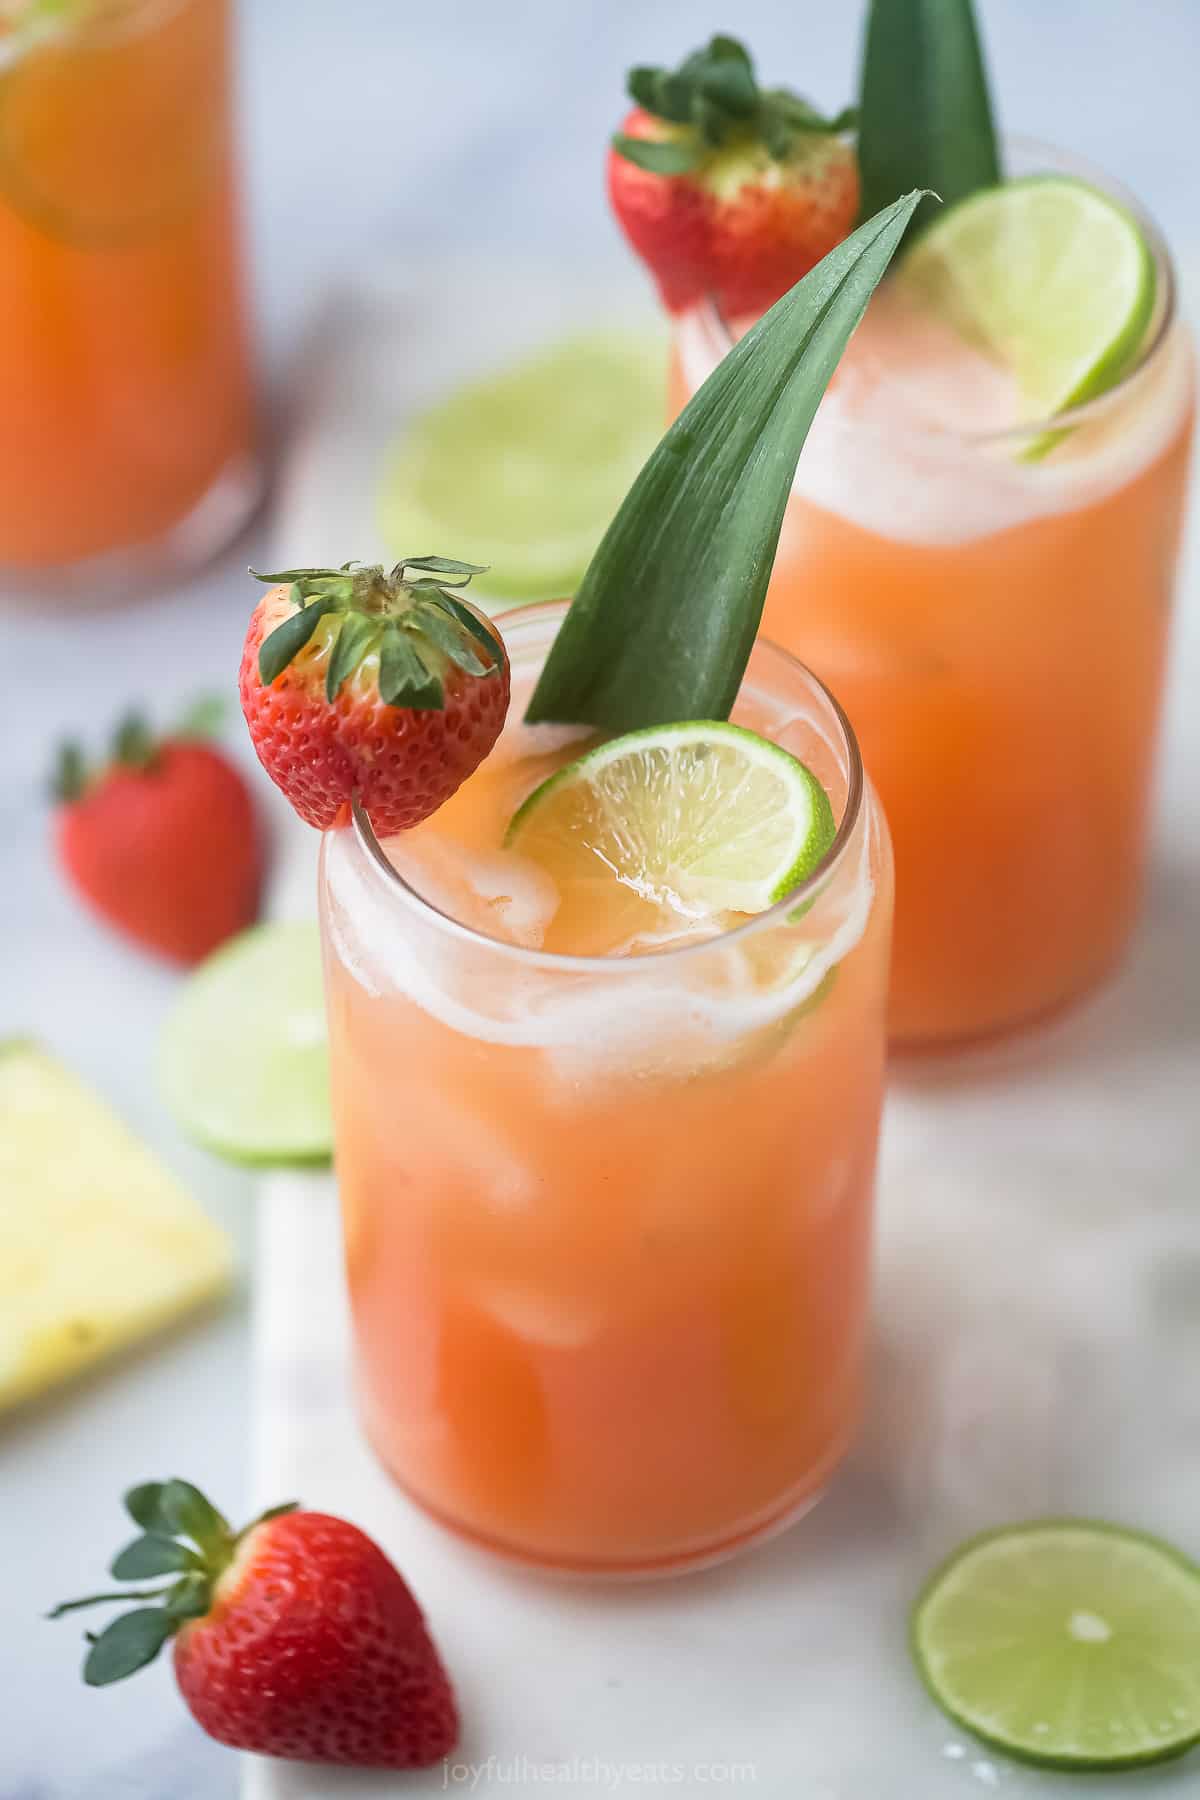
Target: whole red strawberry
(295,1637)
(385,686)
(162,841)
(726,189)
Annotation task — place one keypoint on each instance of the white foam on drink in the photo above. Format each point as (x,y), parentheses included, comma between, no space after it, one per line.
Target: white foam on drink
(898,448)
(631,1016)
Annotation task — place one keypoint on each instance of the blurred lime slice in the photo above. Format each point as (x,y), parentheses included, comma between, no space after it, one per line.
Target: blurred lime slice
(245,1066)
(524,470)
(1047,275)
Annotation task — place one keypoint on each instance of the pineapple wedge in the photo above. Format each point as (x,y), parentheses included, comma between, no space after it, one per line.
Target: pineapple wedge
(99,1246)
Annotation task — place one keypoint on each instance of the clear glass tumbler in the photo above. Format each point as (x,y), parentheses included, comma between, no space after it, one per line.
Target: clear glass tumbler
(607,1220)
(996,627)
(126,434)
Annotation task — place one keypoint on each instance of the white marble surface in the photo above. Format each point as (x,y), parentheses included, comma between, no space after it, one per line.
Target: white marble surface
(472,129)
(1037,1305)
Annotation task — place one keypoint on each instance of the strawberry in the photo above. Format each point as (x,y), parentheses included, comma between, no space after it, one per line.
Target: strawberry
(724,188)
(388,687)
(162,841)
(295,1637)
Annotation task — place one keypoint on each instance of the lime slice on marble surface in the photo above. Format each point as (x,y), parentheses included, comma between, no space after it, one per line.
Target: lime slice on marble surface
(523,470)
(245,1064)
(1066,1642)
(1048,276)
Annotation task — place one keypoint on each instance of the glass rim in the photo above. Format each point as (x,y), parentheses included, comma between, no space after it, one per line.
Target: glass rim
(1163,318)
(531,615)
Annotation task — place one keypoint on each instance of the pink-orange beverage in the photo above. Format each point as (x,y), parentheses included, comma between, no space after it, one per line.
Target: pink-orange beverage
(126,433)
(607,1216)
(996,626)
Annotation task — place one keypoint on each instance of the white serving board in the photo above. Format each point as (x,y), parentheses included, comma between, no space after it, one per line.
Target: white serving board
(1037,1327)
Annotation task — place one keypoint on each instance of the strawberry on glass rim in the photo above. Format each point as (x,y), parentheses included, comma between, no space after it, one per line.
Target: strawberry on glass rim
(295,1637)
(388,687)
(725,188)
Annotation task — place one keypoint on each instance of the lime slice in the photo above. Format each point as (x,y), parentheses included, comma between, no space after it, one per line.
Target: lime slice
(245,1067)
(1066,1642)
(524,471)
(1048,276)
(671,826)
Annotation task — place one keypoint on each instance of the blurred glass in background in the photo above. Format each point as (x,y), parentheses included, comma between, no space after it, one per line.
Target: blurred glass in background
(126,433)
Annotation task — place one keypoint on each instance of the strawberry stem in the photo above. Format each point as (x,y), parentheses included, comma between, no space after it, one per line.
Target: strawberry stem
(184,1535)
(66,1606)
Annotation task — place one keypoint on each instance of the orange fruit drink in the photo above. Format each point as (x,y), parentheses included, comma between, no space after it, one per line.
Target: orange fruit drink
(123,355)
(996,626)
(607,1190)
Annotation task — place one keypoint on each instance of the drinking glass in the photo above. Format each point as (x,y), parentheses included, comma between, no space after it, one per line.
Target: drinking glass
(996,626)
(608,1219)
(126,434)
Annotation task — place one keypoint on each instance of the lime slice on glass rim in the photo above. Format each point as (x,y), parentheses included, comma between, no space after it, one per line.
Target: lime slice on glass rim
(690,822)
(1067,1643)
(1046,275)
(245,1065)
(527,467)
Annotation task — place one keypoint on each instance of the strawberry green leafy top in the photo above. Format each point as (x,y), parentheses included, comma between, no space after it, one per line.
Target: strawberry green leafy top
(186,1543)
(412,621)
(714,97)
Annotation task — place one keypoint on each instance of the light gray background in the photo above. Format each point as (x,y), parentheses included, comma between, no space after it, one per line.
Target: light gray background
(372,126)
